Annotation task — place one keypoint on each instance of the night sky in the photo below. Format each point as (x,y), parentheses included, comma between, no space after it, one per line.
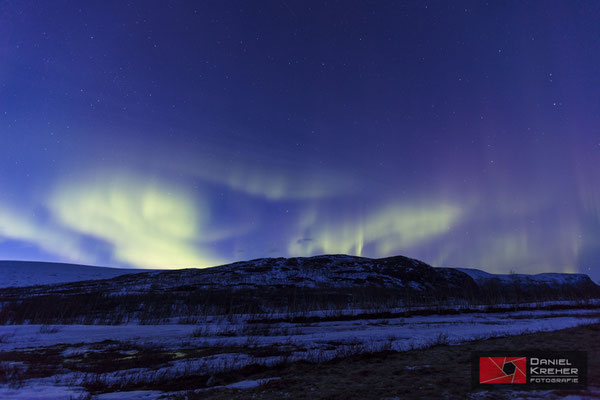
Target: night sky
(189,134)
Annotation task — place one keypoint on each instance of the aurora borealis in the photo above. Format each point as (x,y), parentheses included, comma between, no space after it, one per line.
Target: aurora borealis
(187,134)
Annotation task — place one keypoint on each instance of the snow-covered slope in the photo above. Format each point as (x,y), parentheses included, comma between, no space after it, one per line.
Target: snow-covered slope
(28,273)
(551,279)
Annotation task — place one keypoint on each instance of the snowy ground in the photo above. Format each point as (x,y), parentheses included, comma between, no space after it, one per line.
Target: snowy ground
(126,355)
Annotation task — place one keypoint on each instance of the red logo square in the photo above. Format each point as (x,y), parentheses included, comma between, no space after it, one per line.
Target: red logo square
(502,369)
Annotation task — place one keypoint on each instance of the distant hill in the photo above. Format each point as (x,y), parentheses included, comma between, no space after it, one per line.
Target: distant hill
(551,279)
(29,273)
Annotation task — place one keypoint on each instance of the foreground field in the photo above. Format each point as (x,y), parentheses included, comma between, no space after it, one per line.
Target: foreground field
(442,371)
(276,353)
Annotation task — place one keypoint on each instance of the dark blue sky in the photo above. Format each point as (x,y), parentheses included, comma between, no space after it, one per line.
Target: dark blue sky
(175,134)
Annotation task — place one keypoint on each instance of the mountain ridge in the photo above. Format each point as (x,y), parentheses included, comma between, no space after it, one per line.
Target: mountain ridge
(267,285)
(311,271)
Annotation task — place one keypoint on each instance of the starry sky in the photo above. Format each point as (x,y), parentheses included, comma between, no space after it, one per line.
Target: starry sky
(167,134)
